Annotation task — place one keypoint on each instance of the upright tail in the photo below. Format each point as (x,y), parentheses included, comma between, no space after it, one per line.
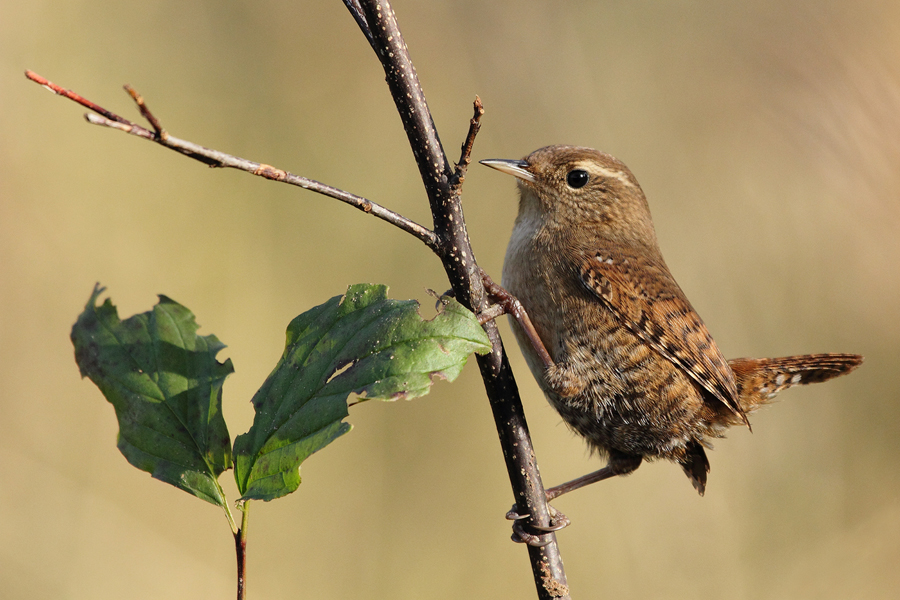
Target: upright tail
(759,379)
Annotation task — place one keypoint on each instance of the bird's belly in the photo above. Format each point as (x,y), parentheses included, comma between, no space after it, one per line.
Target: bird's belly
(633,400)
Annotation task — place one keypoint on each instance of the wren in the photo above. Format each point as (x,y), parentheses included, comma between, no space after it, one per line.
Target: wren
(612,340)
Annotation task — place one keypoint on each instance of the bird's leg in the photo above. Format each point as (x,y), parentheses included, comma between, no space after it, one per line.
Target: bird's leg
(508,304)
(561,378)
(619,464)
(571,486)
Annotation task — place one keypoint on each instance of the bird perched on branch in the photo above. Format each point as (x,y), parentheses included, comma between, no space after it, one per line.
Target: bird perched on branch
(612,340)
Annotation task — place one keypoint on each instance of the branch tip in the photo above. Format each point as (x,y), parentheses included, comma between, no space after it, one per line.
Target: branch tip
(60,91)
(103,121)
(459,173)
(145,112)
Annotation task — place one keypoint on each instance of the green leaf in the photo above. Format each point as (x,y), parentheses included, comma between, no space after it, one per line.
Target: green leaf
(361,343)
(166,387)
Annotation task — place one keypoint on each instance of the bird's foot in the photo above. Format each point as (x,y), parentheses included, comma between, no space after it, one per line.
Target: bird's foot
(521,522)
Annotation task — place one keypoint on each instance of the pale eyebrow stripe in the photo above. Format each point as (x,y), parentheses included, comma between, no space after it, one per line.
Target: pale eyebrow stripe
(612,174)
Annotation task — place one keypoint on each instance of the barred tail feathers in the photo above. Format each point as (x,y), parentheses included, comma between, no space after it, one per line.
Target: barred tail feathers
(760,379)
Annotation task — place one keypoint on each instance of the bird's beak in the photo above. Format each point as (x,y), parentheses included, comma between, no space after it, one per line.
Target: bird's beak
(516,168)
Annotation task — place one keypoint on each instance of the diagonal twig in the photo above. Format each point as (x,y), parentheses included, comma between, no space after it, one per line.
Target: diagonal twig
(215,158)
(145,112)
(465,159)
(60,91)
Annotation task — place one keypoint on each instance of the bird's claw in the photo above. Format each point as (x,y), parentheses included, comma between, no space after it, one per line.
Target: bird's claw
(557,521)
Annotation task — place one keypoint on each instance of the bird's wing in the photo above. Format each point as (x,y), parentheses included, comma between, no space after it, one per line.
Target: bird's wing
(650,303)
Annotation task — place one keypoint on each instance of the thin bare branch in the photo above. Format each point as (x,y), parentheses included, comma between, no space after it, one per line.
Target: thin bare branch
(122,125)
(145,112)
(215,158)
(49,85)
(465,158)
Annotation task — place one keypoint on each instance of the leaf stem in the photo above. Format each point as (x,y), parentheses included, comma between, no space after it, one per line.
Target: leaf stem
(228,515)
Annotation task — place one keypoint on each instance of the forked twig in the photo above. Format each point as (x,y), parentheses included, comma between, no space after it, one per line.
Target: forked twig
(465,158)
(145,112)
(215,158)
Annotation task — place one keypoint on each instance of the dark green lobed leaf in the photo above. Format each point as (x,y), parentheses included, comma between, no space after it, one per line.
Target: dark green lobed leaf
(166,387)
(361,343)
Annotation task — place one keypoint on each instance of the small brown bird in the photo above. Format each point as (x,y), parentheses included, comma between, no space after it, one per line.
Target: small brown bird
(619,351)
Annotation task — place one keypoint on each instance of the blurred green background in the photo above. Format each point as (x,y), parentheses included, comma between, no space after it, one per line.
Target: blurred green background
(767,138)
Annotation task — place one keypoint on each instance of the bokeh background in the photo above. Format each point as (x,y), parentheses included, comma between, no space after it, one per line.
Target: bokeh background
(766,135)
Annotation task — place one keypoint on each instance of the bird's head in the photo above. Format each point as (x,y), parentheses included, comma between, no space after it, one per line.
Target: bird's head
(575,188)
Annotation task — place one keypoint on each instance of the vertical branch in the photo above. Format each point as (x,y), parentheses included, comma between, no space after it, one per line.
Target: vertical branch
(434,167)
(379,24)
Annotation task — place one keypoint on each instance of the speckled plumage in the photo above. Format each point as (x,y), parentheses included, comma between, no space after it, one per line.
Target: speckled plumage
(635,371)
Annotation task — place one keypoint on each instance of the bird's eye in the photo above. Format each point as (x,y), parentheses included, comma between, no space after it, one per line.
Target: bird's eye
(577,178)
